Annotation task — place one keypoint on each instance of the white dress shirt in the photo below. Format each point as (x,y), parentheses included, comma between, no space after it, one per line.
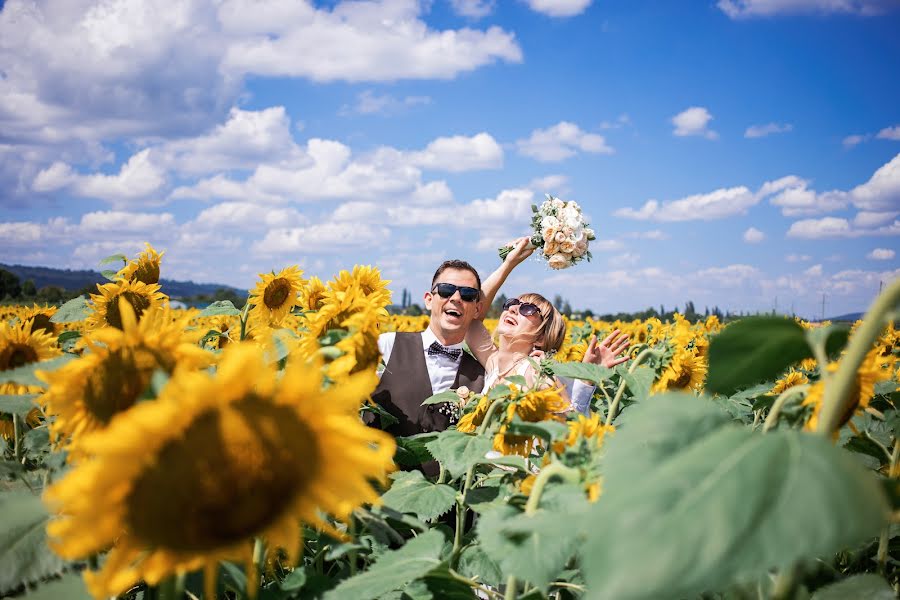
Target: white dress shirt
(441,369)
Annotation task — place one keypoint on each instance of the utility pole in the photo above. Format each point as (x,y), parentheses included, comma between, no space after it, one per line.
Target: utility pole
(823,306)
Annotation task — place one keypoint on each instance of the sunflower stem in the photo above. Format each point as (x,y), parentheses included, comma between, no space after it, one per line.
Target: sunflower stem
(17,448)
(779,403)
(881,557)
(474,584)
(836,398)
(510,588)
(166,589)
(614,407)
(553,469)
(351,556)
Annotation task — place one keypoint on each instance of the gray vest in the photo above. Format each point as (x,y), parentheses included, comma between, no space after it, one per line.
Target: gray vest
(405,384)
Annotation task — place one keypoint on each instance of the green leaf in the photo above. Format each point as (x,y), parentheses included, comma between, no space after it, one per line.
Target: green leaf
(220,308)
(24,375)
(752,350)
(11,468)
(412,493)
(393,569)
(831,338)
(294,581)
(411,450)
(640,382)
(516,462)
(519,380)
(24,555)
(576,370)
(548,430)
(67,337)
(458,451)
(110,274)
(676,478)
(475,562)
(439,584)
(37,440)
(860,587)
(534,548)
(441,397)
(70,586)
(499,391)
(114,258)
(17,404)
(76,309)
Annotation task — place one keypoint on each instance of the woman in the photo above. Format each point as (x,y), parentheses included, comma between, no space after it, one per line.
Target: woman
(529,328)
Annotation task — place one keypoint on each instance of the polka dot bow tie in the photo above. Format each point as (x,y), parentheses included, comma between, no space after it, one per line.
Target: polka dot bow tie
(437,349)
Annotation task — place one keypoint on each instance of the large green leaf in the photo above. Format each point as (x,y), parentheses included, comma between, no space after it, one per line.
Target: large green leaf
(394,569)
(548,430)
(220,308)
(411,450)
(576,370)
(439,584)
(70,587)
(24,375)
(24,555)
(474,562)
(752,350)
(458,451)
(534,548)
(76,309)
(640,382)
(859,587)
(695,505)
(831,338)
(17,404)
(441,397)
(412,493)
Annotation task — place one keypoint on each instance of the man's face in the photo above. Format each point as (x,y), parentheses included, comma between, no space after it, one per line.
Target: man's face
(450,317)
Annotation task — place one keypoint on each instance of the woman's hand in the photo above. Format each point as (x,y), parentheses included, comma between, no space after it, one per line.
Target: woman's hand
(606,353)
(522,249)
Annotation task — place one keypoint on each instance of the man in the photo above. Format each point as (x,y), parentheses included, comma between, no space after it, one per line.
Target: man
(418,365)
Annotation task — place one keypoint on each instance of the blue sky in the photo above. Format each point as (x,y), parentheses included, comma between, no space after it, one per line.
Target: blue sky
(740,153)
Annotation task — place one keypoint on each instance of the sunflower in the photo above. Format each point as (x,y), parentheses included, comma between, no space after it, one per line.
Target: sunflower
(21,345)
(312,295)
(116,369)
(470,421)
(145,268)
(141,296)
(367,280)
(275,295)
(793,378)
(220,460)
(39,318)
(534,406)
(861,392)
(685,371)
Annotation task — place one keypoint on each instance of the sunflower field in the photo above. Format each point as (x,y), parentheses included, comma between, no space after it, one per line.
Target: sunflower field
(153,453)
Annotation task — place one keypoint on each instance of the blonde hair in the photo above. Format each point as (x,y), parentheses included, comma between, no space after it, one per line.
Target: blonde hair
(552,332)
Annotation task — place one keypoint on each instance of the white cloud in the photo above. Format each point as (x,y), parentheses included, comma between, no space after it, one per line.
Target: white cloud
(325,238)
(758,131)
(694,121)
(125,222)
(721,203)
(854,140)
(628,259)
(561,141)
(795,258)
(653,234)
(881,254)
(137,179)
(248,216)
(882,191)
(550,184)
(473,8)
(766,8)
(559,8)
(813,271)
(867,220)
(369,102)
(800,201)
(754,235)
(356,41)
(889,133)
(621,121)
(835,227)
(460,153)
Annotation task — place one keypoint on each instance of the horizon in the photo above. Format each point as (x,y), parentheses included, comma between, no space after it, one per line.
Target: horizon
(732,153)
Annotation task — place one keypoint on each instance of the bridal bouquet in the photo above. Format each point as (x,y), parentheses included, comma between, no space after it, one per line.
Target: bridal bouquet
(561,231)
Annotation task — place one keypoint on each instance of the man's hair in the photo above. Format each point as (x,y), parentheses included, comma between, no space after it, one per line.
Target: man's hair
(455,264)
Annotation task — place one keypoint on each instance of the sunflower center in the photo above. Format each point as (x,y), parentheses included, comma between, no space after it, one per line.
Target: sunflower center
(138,302)
(17,355)
(277,293)
(147,272)
(115,387)
(684,378)
(41,321)
(230,475)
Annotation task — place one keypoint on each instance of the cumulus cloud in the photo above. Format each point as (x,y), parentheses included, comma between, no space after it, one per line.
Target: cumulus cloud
(550,184)
(721,203)
(694,121)
(889,133)
(758,131)
(369,102)
(324,238)
(460,153)
(837,227)
(137,179)
(473,8)
(737,9)
(881,254)
(854,140)
(882,191)
(559,8)
(560,142)
(754,235)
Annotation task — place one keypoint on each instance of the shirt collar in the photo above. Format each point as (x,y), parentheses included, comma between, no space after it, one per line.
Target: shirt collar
(428,337)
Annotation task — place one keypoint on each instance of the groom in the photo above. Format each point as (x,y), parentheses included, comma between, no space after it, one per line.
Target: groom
(424,363)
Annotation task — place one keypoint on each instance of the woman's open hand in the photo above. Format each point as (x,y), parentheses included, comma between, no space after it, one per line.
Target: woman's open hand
(606,353)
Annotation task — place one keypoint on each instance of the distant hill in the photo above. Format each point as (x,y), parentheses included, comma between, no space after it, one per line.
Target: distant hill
(851,317)
(77,280)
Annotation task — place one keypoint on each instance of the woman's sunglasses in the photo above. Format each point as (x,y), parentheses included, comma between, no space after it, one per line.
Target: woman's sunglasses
(466,294)
(526,309)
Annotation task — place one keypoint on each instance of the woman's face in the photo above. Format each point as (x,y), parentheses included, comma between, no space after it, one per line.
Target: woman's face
(514,324)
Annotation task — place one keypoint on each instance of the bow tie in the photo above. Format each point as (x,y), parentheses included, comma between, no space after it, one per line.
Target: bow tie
(437,349)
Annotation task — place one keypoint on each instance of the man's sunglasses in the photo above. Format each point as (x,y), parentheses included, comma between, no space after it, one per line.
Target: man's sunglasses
(526,309)
(466,294)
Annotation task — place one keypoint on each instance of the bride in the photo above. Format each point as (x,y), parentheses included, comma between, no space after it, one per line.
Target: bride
(530,327)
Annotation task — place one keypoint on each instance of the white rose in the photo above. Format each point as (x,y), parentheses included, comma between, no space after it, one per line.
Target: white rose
(567,246)
(548,234)
(577,234)
(571,215)
(580,248)
(558,261)
(589,233)
(550,222)
(560,237)
(551,248)
(558,204)
(568,231)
